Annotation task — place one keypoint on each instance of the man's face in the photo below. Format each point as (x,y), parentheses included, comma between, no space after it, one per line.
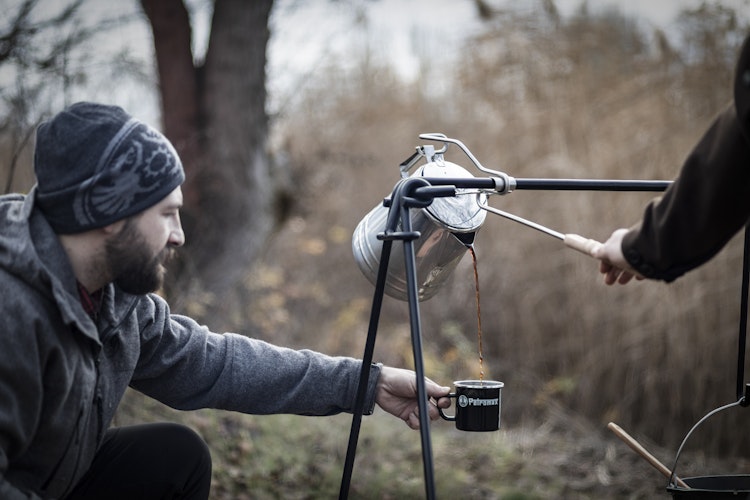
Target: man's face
(137,255)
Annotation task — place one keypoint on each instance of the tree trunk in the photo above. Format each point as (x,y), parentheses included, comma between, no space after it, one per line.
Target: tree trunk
(215,116)
(240,189)
(178,84)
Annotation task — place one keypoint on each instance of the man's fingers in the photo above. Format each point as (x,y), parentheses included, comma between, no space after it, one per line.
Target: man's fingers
(612,275)
(413,420)
(625,277)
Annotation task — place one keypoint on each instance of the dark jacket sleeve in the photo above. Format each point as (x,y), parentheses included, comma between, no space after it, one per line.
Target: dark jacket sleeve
(708,202)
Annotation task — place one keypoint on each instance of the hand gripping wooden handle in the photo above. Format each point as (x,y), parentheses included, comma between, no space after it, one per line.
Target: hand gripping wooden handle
(583,245)
(636,446)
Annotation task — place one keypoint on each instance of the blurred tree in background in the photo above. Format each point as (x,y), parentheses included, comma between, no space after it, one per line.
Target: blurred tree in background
(42,54)
(214,112)
(213,109)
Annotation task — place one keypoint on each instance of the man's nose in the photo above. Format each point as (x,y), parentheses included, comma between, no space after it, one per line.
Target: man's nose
(177,235)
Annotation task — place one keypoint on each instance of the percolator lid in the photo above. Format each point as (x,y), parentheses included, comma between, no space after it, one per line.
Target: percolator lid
(460,213)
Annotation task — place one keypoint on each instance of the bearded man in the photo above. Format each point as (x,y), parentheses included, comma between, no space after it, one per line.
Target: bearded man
(80,257)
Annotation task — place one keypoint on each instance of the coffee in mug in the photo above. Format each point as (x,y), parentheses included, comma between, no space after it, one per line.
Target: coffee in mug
(478,405)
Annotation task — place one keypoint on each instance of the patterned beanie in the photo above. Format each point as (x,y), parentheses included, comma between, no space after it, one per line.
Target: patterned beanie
(95,164)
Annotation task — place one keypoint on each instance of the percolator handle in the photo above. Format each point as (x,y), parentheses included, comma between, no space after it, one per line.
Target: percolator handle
(705,417)
(586,246)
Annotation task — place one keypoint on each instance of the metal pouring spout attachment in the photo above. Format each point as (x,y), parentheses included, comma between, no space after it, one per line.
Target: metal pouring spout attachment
(447,227)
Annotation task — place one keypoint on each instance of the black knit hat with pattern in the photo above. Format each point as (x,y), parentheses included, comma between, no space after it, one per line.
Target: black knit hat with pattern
(95,164)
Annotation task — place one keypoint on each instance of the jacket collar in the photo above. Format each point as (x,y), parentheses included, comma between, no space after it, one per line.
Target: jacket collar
(54,264)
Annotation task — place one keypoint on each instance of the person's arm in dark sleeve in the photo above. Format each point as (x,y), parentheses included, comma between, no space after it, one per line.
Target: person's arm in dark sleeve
(701,211)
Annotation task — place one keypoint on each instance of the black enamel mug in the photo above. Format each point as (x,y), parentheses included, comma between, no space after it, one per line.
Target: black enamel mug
(478,405)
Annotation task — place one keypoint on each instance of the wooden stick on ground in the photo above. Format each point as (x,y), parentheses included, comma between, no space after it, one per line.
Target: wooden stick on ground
(636,446)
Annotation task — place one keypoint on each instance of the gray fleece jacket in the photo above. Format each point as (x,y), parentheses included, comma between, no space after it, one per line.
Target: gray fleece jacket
(62,375)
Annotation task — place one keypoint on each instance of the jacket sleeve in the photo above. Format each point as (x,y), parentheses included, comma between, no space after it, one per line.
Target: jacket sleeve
(186,366)
(9,492)
(708,202)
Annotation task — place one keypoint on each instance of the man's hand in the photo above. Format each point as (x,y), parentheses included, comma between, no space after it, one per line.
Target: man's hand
(613,265)
(397,394)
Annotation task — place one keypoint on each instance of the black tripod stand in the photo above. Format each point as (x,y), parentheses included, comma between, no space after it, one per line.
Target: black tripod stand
(419,192)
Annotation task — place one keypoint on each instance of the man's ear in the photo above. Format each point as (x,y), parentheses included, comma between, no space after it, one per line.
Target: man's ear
(113,228)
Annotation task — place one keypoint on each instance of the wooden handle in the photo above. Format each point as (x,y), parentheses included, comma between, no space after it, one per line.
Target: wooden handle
(583,245)
(636,446)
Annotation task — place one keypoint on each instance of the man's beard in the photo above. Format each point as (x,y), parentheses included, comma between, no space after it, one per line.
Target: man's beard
(133,267)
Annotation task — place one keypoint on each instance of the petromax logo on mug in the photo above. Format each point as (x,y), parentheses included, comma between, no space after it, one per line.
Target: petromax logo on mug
(464,401)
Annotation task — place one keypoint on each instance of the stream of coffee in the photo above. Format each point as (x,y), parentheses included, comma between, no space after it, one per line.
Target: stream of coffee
(479,313)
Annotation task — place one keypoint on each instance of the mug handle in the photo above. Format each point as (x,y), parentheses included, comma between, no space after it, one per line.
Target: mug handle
(450,418)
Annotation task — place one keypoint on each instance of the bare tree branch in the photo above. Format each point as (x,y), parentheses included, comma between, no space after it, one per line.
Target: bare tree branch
(18,147)
(18,31)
